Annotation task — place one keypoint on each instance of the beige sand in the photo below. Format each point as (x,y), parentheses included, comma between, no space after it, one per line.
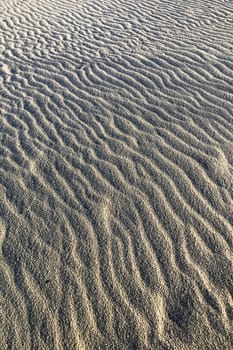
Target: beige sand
(116,164)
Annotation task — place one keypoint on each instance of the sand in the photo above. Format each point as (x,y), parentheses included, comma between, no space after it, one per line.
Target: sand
(116,175)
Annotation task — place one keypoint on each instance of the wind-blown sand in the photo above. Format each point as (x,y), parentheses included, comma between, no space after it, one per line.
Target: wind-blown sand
(116,174)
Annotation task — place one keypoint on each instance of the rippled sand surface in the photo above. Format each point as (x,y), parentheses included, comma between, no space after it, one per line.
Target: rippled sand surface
(116,175)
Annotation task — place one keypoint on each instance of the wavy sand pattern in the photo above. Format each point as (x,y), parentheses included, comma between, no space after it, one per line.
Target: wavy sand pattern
(116,174)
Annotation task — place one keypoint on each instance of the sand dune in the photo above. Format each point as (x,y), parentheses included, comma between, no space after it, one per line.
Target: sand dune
(116,175)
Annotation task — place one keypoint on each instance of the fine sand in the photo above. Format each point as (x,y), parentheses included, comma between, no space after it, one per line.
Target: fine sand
(116,175)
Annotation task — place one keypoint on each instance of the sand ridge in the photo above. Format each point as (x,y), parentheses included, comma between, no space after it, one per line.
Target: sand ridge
(116,174)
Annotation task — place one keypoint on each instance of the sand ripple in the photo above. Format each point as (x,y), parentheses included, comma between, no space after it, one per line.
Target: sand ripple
(116,174)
